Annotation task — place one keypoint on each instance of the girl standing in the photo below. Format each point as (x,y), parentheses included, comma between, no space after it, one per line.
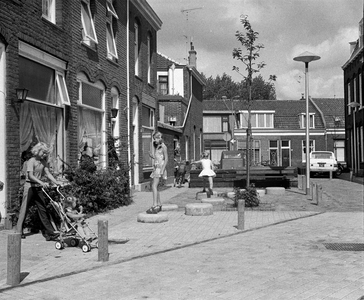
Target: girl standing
(207,171)
(160,158)
(36,168)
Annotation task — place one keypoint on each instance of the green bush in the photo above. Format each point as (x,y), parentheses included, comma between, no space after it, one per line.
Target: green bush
(250,196)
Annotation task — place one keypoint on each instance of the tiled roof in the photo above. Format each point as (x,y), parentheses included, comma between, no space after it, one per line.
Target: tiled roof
(332,108)
(164,62)
(286,111)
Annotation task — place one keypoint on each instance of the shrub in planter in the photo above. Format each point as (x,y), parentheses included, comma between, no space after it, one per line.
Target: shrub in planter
(250,196)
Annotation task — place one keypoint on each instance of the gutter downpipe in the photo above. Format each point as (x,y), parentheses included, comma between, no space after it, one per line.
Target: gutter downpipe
(128,86)
(189,102)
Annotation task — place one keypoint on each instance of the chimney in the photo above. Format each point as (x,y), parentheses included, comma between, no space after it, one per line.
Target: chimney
(303,96)
(352,46)
(192,57)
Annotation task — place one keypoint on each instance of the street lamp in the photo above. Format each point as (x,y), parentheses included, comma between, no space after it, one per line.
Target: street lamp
(354,105)
(307,57)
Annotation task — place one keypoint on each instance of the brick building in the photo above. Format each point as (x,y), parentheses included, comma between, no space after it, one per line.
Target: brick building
(278,129)
(354,103)
(180,88)
(90,70)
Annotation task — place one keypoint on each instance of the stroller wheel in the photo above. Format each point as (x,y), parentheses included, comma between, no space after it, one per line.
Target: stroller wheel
(59,245)
(74,242)
(86,248)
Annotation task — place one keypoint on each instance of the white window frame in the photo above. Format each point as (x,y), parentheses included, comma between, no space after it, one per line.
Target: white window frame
(62,87)
(82,78)
(110,9)
(303,145)
(360,90)
(49,10)
(243,117)
(303,120)
(87,37)
(349,98)
(111,53)
(136,48)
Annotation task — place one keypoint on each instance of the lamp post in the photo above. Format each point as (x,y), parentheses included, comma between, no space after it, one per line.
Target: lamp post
(307,57)
(354,105)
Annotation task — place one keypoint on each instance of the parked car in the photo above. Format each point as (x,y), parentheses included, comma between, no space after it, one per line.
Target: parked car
(323,162)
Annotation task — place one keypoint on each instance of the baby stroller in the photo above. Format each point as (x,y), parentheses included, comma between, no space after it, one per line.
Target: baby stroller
(69,232)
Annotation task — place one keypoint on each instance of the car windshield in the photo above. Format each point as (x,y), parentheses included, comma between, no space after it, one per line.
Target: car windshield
(321,155)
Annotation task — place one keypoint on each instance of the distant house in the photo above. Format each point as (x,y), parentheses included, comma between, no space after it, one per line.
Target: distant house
(354,104)
(180,88)
(278,129)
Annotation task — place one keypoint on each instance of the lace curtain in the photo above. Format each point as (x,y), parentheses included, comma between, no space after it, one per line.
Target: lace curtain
(40,123)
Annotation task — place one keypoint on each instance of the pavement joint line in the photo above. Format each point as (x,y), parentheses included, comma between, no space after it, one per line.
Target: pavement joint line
(120,261)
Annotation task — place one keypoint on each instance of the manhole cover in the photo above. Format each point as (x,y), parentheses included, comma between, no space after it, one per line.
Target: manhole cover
(344,246)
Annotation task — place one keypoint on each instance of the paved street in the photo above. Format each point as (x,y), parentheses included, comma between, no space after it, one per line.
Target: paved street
(280,255)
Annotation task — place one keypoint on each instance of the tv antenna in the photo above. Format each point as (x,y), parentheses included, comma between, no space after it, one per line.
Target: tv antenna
(186,12)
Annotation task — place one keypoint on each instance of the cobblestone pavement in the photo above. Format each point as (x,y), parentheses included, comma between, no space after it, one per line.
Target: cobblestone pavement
(207,257)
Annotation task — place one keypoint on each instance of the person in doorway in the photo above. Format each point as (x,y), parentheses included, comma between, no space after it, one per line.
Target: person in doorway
(36,168)
(207,171)
(160,158)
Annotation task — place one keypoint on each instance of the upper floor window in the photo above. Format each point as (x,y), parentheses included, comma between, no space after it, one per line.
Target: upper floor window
(148,117)
(163,85)
(111,43)
(216,123)
(136,48)
(361,90)
(111,27)
(257,119)
(349,97)
(88,27)
(302,120)
(49,10)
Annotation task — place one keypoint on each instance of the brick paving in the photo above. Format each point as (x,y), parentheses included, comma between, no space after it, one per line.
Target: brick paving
(192,257)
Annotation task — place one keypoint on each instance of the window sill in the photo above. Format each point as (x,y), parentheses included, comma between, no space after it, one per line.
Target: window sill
(92,46)
(113,60)
(139,78)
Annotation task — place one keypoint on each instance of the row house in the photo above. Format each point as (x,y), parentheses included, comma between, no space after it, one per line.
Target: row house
(278,129)
(180,88)
(89,70)
(354,104)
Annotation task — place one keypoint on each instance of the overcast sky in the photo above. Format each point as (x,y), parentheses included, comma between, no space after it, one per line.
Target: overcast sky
(286,28)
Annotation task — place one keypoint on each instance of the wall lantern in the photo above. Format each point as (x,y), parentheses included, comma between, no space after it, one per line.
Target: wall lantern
(114,112)
(21,94)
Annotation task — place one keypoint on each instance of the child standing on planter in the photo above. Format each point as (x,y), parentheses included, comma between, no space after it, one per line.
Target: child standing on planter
(207,171)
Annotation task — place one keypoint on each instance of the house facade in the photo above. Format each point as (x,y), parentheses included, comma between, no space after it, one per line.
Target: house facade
(89,68)
(354,104)
(278,129)
(180,88)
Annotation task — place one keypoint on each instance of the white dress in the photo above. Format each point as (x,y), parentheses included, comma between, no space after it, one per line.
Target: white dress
(206,168)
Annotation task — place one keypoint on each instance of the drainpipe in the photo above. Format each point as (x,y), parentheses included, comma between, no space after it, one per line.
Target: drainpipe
(322,118)
(128,85)
(189,101)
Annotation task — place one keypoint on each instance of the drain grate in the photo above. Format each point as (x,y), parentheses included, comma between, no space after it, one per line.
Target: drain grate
(344,246)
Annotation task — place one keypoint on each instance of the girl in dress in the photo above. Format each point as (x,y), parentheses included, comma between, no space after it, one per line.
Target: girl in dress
(160,158)
(207,170)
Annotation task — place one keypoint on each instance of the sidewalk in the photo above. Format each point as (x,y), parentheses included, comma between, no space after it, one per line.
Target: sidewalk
(41,261)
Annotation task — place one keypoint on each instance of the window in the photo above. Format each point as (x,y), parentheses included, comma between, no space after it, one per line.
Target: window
(149,56)
(111,10)
(349,98)
(302,120)
(257,119)
(312,148)
(111,44)
(147,139)
(49,10)
(136,48)
(88,27)
(212,124)
(361,90)
(163,85)
(225,123)
(91,128)
(42,116)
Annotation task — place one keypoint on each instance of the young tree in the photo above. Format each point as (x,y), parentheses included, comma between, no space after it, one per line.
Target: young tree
(248,56)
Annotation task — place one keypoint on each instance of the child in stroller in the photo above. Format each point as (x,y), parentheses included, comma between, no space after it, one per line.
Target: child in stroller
(77,217)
